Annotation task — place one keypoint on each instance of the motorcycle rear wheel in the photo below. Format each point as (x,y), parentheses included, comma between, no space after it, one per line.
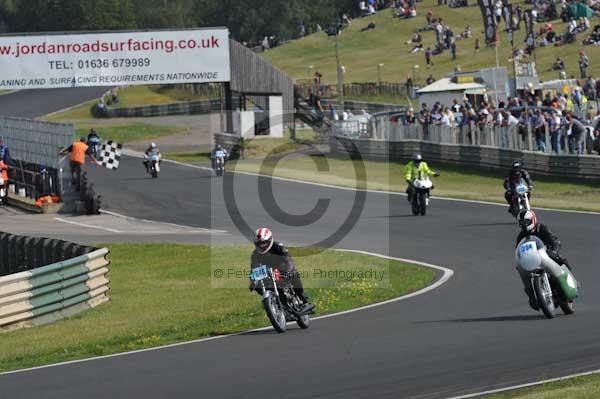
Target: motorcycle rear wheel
(275,313)
(545,300)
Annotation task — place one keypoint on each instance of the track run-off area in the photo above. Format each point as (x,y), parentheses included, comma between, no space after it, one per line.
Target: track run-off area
(473,333)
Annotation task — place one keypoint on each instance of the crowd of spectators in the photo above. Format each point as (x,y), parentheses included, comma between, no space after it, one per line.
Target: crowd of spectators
(555,115)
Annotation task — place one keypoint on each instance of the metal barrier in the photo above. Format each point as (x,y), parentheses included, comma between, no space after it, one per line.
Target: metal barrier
(74,278)
(472,156)
(182,108)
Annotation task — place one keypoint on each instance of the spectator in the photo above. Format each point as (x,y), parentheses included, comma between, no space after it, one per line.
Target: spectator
(346,20)
(453,49)
(596,142)
(317,104)
(428,56)
(577,134)
(416,38)
(539,125)
(584,62)
(477,45)
(429,17)
(425,120)
(4,152)
(558,65)
(555,132)
(430,79)
(370,26)
(333,113)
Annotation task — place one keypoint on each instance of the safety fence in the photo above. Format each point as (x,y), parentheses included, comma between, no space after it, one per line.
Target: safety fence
(391,126)
(35,141)
(357,107)
(357,89)
(472,156)
(48,280)
(182,108)
(33,181)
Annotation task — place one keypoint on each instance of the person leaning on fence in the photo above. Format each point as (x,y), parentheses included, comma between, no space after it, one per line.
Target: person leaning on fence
(4,152)
(78,151)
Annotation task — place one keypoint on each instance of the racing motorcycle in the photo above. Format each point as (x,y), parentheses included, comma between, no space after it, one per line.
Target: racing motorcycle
(94,146)
(421,187)
(219,163)
(279,299)
(552,284)
(154,165)
(520,199)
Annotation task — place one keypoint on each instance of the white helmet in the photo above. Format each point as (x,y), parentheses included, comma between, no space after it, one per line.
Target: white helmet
(152,145)
(527,220)
(263,240)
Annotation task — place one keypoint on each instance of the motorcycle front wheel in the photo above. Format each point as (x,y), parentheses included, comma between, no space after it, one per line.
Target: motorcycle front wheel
(543,292)
(567,307)
(423,203)
(303,321)
(275,313)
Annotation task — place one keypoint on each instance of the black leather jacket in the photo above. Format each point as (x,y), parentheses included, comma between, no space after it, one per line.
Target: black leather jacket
(514,177)
(278,257)
(543,233)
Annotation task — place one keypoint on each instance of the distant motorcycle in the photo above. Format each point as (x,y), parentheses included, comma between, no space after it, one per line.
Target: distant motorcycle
(553,285)
(520,199)
(420,196)
(219,162)
(279,299)
(153,165)
(94,146)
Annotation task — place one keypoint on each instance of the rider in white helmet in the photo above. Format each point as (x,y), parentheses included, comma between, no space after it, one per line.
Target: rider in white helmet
(531,227)
(275,254)
(151,150)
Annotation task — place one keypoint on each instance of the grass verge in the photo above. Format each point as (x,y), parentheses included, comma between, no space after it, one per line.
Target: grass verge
(130,132)
(256,148)
(574,388)
(140,96)
(162,294)
(455,182)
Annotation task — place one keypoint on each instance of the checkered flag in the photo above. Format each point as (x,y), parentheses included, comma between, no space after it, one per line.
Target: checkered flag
(110,155)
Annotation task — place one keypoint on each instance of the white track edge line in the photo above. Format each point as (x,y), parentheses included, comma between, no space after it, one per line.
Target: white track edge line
(447,273)
(325,185)
(89,226)
(527,385)
(179,226)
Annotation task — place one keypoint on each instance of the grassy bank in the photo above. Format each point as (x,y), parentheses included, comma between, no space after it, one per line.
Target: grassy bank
(575,388)
(162,294)
(455,182)
(140,96)
(257,147)
(361,52)
(128,133)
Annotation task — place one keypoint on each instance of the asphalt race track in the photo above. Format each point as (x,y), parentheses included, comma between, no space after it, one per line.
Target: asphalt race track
(474,333)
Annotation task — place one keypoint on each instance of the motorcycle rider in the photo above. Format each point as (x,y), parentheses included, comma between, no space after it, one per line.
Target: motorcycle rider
(150,151)
(514,177)
(93,140)
(275,254)
(413,170)
(213,155)
(531,227)
(4,179)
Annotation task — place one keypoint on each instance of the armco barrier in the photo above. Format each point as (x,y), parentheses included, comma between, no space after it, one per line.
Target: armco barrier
(567,166)
(182,108)
(77,281)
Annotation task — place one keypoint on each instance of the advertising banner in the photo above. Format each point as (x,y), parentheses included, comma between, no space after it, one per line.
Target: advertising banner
(489,23)
(112,59)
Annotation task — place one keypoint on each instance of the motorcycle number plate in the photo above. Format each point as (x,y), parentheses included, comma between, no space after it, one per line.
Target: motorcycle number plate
(528,248)
(521,189)
(259,273)
(219,154)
